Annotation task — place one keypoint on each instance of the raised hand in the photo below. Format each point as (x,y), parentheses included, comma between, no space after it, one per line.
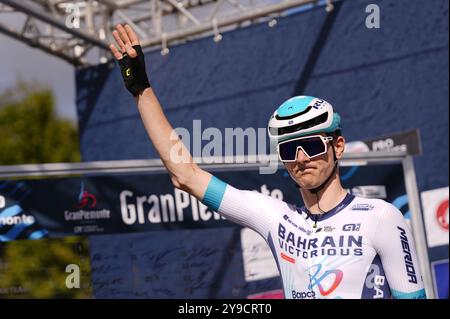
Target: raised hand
(125,38)
(131,59)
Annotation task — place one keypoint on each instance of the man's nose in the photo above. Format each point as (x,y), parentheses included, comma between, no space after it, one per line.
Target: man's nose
(301,156)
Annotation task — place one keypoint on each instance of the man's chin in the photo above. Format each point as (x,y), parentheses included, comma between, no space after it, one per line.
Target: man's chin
(306,185)
(305,180)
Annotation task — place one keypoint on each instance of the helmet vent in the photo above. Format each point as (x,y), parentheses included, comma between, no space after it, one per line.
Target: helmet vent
(301,126)
(293,115)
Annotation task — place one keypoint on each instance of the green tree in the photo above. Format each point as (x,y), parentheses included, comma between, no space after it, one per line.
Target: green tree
(31,132)
(37,268)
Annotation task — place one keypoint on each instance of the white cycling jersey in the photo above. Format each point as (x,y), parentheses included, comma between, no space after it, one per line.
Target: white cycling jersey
(363,248)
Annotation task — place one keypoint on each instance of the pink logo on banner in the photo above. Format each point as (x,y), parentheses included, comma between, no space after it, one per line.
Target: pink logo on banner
(442,214)
(272,294)
(435,209)
(86,199)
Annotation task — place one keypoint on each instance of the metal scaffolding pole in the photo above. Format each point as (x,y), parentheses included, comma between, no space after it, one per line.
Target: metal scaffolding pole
(417,224)
(159,23)
(22,7)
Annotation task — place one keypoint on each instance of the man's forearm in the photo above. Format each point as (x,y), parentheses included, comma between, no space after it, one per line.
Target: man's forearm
(184,173)
(174,155)
(162,134)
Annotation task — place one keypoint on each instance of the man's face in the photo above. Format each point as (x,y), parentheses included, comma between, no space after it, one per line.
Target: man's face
(311,173)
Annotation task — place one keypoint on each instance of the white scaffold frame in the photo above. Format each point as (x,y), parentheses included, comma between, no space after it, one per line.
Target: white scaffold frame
(79,31)
(249,162)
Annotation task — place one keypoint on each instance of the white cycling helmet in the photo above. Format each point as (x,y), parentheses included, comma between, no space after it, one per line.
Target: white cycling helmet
(303,115)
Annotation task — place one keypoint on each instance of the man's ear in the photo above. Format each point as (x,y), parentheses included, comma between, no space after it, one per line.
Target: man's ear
(339,147)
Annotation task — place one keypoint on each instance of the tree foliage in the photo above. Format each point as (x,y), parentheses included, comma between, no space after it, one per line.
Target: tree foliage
(37,268)
(31,132)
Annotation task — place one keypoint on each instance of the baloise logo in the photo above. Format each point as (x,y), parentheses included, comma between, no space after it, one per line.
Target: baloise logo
(86,199)
(332,278)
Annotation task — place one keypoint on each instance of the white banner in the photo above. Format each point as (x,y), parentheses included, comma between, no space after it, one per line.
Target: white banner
(258,259)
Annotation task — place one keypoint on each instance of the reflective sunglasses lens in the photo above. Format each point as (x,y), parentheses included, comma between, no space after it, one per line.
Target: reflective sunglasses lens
(311,146)
(288,151)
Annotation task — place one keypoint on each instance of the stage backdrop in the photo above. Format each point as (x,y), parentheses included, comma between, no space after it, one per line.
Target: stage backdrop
(381,81)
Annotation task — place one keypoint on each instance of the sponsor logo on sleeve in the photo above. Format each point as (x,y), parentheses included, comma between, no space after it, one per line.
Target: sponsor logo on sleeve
(410,271)
(362,207)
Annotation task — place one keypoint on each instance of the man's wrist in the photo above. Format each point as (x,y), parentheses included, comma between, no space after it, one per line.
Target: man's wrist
(134,72)
(145,93)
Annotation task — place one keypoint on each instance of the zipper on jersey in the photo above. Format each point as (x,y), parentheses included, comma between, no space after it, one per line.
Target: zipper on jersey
(316,217)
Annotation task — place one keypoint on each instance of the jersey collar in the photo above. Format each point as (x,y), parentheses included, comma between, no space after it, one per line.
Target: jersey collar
(344,203)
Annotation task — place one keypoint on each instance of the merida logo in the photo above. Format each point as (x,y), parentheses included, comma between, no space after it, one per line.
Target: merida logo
(411,272)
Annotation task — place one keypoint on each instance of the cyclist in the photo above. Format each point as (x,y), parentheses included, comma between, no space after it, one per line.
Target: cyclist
(337,245)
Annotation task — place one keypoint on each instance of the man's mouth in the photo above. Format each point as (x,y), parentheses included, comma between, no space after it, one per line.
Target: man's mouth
(304,170)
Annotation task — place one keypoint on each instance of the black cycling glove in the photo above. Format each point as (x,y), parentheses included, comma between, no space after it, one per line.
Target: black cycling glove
(133,72)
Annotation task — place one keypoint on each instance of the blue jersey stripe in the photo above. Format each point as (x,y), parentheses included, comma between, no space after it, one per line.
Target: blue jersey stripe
(214,193)
(419,294)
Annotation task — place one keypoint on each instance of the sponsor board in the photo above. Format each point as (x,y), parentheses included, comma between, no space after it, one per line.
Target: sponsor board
(435,212)
(440,271)
(59,207)
(408,141)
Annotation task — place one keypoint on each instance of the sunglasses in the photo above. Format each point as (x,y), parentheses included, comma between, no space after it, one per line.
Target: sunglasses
(312,146)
